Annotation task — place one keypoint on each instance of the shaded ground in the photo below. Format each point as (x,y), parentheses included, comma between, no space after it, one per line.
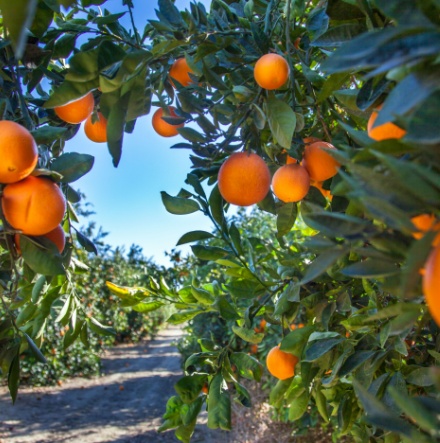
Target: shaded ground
(125,405)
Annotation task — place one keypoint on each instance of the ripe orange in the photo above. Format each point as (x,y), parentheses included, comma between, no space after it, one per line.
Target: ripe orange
(290,183)
(97,132)
(244,179)
(34,205)
(425,223)
(18,152)
(253,348)
(180,71)
(161,126)
(271,71)
(281,364)
(385,131)
(431,284)
(320,165)
(263,324)
(298,326)
(325,192)
(76,111)
(205,388)
(56,236)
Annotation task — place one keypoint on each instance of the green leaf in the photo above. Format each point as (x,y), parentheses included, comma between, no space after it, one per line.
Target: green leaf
(208,252)
(219,404)
(72,165)
(86,243)
(323,262)
(115,127)
(48,134)
(299,406)
(354,361)
(14,376)
(203,296)
(286,217)
(420,377)
(179,205)
(191,135)
(417,411)
(319,348)
(337,35)
(371,268)
(35,350)
(248,335)
(99,328)
(282,121)
(17,17)
(193,236)
(189,387)
(40,260)
(247,366)
(183,316)
(69,91)
(295,341)
(148,307)
(379,415)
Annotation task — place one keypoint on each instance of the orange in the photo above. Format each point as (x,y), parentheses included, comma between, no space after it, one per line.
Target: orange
(76,111)
(325,192)
(162,127)
(290,183)
(385,131)
(180,71)
(97,132)
(281,364)
(205,388)
(34,205)
(56,236)
(244,179)
(298,326)
(431,284)
(425,223)
(254,349)
(271,71)
(18,152)
(320,165)
(263,324)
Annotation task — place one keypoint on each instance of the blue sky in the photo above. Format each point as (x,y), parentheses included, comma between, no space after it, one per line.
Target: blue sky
(126,199)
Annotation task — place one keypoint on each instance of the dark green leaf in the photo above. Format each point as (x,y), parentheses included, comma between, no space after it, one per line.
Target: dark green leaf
(286,217)
(219,404)
(183,316)
(208,252)
(86,243)
(282,121)
(295,341)
(41,260)
(299,406)
(247,366)
(420,377)
(14,376)
(371,268)
(72,166)
(99,328)
(35,350)
(189,387)
(320,347)
(178,205)
(193,236)
(48,134)
(17,17)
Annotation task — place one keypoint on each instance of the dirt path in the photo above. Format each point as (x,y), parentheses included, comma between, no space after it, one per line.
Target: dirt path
(123,406)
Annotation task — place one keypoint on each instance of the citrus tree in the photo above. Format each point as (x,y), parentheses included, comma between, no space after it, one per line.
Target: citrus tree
(322,113)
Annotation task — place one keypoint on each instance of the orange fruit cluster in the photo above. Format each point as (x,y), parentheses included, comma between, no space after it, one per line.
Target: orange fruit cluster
(384,131)
(244,179)
(32,205)
(271,71)
(161,126)
(292,182)
(281,364)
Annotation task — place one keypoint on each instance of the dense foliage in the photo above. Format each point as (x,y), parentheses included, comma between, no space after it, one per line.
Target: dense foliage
(348,268)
